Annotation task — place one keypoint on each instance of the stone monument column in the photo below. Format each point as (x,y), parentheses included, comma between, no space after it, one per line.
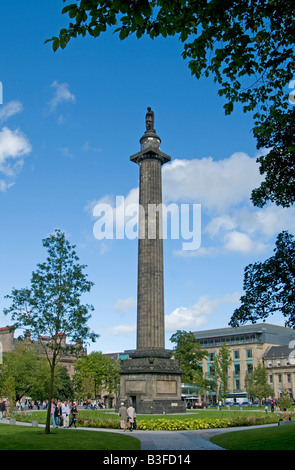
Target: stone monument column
(150,295)
(150,380)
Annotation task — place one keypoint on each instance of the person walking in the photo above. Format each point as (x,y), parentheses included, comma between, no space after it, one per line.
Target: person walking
(131,416)
(123,415)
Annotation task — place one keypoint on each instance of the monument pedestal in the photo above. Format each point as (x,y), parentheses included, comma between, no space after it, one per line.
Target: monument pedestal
(152,385)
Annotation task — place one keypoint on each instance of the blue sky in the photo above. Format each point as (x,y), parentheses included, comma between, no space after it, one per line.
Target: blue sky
(69,122)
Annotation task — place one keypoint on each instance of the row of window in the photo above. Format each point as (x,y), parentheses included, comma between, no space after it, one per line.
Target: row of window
(278,363)
(238,339)
(236,369)
(236,355)
(279,378)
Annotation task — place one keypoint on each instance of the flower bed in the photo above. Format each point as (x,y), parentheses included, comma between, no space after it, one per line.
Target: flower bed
(181,424)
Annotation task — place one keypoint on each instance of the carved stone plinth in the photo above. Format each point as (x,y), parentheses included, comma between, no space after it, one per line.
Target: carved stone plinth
(153,384)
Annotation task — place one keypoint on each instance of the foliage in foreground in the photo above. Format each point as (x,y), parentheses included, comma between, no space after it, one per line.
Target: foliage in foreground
(248,48)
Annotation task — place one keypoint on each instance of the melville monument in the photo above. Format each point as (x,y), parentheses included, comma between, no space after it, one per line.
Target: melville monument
(150,379)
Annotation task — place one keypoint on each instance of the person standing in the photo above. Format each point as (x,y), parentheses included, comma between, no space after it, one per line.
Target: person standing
(57,415)
(2,409)
(7,408)
(123,415)
(74,413)
(131,416)
(65,411)
(52,411)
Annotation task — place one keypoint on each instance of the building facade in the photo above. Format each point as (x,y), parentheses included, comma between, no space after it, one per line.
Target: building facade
(280,365)
(8,343)
(250,345)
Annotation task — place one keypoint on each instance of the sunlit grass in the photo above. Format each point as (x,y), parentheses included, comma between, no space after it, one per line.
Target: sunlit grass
(270,438)
(16,437)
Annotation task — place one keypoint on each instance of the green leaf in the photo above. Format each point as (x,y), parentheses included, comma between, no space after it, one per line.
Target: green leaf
(55,44)
(123,34)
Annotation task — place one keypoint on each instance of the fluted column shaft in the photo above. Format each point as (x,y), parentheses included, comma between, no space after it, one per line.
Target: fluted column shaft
(150,305)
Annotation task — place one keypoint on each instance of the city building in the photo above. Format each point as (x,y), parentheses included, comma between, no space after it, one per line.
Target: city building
(8,343)
(280,365)
(264,343)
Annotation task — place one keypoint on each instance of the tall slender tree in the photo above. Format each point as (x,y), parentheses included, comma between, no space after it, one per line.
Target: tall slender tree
(257,384)
(51,308)
(222,361)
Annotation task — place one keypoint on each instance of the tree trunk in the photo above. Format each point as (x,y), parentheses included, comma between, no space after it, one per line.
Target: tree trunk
(47,427)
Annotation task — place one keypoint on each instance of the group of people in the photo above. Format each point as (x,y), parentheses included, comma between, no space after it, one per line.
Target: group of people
(127,417)
(63,414)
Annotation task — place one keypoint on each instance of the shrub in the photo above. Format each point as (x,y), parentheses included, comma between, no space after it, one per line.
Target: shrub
(98,423)
(181,425)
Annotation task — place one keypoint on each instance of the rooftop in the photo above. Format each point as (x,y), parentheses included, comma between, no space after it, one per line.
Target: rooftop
(255,328)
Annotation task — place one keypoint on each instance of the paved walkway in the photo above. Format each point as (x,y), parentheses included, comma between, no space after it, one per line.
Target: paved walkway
(167,440)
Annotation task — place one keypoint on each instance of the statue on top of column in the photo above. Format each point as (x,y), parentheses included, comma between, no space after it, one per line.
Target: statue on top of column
(150,120)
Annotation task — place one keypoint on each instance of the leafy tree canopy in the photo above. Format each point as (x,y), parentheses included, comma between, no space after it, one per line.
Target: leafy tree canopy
(270,286)
(190,355)
(248,47)
(96,373)
(257,384)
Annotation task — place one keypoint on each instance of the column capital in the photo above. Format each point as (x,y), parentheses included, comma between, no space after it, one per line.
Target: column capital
(150,143)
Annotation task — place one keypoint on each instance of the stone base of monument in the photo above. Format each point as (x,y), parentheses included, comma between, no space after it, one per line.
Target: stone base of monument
(152,385)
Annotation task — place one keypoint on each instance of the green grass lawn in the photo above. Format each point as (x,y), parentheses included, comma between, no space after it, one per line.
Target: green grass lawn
(14,437)
(271,438)
(40,416)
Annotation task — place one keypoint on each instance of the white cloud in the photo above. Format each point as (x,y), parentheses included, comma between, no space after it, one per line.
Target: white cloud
(125,304)
(241,242)
(197,315)
(268,221)
(220,223)
(9,109)
(14,145)
(122,330)
(216,184)
(61,94)
(90,148)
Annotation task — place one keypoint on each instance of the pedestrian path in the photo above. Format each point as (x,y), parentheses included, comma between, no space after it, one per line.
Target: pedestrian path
(173,440)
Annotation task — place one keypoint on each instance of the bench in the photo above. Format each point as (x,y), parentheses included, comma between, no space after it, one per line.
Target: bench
(290,421)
